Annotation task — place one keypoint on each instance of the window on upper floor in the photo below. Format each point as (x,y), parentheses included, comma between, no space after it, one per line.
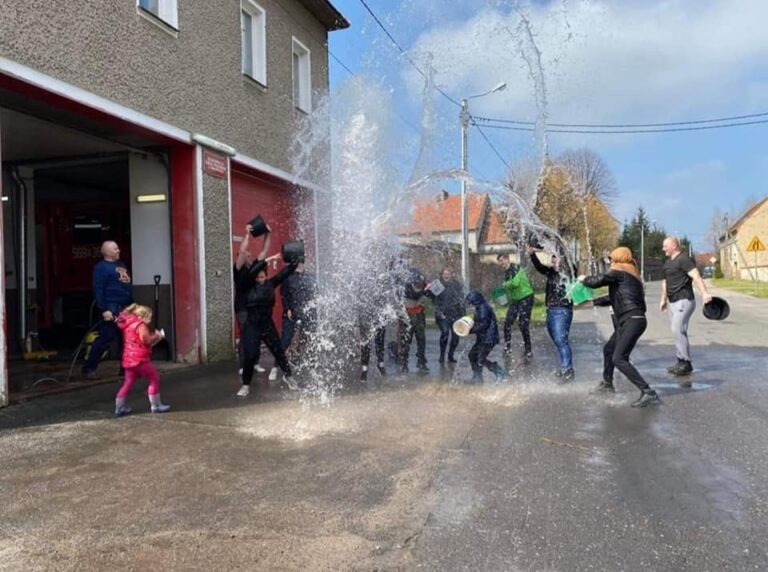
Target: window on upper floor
(253,34)
(165,10)
(302,77)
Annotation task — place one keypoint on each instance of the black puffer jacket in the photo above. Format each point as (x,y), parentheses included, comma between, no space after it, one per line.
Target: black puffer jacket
(556,297)
(625,292)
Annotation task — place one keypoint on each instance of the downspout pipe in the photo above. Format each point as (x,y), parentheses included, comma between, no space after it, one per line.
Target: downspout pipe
(21,273)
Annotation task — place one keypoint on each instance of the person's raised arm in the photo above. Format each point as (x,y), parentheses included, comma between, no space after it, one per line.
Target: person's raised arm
(242,253)
(265,246)
(598,281)
(537,263)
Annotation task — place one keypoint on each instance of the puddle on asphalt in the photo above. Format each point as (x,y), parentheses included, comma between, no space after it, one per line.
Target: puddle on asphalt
(693,386)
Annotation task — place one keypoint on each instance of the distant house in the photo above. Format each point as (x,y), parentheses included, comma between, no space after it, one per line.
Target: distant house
(735,259)
(439,220)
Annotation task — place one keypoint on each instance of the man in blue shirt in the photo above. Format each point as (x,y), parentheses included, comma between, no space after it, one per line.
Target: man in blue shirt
(112,292)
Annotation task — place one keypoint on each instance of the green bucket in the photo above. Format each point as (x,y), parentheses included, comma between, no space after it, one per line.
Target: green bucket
(499,296)
(577,293)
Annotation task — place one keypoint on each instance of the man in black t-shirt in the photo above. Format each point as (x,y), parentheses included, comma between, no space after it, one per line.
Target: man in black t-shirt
(680,275)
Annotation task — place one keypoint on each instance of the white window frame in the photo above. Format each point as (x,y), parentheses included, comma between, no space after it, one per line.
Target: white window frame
(304,74)
(258,47)
(168,12)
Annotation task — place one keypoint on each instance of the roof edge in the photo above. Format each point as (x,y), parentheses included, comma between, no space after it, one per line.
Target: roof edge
(327,13)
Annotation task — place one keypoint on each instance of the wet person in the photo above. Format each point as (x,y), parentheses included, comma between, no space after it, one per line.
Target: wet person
(559,312)
(259,326)
(626,295)
(486,330)
(449,307)
(413,322)
(520,295)
(112,291)
(240,269)
(137,358)
(371,324)
(680,275)
(297,293)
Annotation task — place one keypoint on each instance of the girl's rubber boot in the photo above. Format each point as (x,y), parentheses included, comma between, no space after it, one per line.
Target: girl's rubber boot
(121,409)
(157,406)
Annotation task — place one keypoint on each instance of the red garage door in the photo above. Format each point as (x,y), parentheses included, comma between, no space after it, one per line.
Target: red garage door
(275,201)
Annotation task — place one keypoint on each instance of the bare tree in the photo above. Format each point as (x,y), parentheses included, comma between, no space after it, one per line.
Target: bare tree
(589,174)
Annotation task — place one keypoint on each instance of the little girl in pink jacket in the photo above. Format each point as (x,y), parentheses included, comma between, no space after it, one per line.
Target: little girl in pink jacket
(137,357)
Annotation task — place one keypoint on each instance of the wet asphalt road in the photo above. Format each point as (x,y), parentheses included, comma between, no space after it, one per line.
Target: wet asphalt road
(420,474)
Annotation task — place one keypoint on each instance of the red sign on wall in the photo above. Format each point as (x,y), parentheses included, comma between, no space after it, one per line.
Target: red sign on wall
(215,165)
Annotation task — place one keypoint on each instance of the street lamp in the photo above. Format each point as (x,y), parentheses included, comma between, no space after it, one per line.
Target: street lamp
(465,167)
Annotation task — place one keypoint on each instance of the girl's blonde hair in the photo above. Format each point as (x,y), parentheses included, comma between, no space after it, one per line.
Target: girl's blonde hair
(143,312)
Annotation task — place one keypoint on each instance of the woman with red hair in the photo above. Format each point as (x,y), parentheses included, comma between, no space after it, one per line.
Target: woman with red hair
(626,295)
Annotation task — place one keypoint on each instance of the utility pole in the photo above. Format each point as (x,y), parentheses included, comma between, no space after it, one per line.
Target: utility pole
(464,207)
(464,116)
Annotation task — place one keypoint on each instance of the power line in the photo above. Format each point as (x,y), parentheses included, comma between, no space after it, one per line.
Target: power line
(490,144)
(627,125)
(404,53)
(628,131)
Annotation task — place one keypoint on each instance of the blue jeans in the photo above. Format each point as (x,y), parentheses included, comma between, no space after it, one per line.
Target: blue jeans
(559,327)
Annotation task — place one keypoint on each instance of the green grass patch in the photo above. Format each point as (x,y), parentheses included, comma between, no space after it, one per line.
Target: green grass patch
(742,286)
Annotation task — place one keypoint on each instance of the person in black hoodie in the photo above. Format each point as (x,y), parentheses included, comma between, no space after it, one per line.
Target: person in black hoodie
(559,312)
(486,330)
(259,325)
(449,307)
(413,322)
(626,295)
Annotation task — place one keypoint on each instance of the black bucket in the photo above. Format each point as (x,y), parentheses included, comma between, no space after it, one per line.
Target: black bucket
(293,252)
(717,309)
(258,226)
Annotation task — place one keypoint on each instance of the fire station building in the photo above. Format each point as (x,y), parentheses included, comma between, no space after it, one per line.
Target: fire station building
(164,125)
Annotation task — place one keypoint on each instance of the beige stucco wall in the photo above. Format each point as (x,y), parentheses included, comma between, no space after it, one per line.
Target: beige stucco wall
(735,260)
(192,81)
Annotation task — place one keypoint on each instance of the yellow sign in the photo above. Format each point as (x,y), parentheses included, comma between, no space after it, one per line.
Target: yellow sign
(755,245)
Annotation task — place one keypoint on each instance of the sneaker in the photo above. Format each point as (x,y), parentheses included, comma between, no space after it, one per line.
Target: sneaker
(122,411)
(291,383)
(161,408)
(382,369)
(683,368)
(477,378)
(364,374)
(451,359)
(240,371)
(528,356)
(559,373)
(441,359)
(673,368)
(422,367)
(273,374)
(604,387)
(647,398)
(258,369)
(244,391)
(568,374)
(501,376)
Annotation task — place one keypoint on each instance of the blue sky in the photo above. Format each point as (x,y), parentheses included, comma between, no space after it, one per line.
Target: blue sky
(604,62)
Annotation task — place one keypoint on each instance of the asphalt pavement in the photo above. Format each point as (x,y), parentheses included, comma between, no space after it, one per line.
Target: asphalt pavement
(415,472)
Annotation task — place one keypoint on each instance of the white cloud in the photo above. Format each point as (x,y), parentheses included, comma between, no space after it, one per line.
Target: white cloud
(609,61)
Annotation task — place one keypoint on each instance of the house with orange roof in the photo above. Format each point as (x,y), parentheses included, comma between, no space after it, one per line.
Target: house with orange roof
(439,220)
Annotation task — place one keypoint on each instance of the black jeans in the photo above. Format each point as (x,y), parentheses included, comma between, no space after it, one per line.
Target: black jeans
(242,316)
(520,311)
(365,346)
(415,325)
(255,332)
(478,357)
(446,332)
(617,349)
(108,332)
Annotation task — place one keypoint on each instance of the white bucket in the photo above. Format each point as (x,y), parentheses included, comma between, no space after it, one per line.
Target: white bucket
(436,287)
(462,326)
